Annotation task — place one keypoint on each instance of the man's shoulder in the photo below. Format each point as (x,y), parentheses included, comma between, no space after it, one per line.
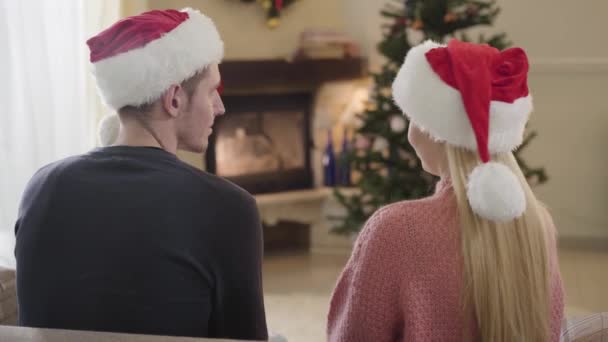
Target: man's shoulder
(56,167)
(216,186)
(45,179)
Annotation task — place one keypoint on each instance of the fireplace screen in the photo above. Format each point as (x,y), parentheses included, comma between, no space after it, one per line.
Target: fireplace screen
(262,143)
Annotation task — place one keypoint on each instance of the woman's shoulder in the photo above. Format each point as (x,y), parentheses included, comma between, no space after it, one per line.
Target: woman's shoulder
(410,218)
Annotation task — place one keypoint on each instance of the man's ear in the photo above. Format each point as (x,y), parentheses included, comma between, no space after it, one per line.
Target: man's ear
(174,100)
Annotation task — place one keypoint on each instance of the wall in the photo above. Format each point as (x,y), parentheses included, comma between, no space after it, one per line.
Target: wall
(243,25)
(568,78)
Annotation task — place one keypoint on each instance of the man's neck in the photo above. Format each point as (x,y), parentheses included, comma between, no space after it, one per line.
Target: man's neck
(134,134)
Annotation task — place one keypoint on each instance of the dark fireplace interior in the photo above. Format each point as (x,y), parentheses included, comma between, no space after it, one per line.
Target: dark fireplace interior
(263,142)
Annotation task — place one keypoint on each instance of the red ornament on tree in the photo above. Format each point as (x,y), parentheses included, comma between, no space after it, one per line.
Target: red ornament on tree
(399,25)
(472,10)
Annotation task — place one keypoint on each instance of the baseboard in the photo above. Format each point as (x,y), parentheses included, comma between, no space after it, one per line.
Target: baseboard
(330,250)
(586,243)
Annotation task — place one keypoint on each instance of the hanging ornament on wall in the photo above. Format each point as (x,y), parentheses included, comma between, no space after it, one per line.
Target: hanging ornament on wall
(273,9)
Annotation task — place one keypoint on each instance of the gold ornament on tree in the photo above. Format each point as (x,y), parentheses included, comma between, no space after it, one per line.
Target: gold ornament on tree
(418,24)
(450,17)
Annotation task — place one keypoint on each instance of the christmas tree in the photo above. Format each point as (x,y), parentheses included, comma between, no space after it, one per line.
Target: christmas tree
(386,165)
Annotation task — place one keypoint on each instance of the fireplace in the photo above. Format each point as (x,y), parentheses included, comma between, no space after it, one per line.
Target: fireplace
(263,142)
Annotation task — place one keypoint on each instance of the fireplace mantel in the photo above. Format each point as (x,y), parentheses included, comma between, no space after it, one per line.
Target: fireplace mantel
(311,207)
(278,74)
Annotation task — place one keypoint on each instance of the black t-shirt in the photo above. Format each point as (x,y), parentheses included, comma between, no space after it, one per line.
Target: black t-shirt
(131,239)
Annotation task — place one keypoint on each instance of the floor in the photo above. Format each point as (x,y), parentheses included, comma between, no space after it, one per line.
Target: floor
(298,287)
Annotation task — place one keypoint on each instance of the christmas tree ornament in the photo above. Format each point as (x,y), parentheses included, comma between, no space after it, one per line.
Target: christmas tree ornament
(362,142)
(405,155)
(418,24)
(368,209)
(380,144)
(357,122)
(450,18)
(386,92)
(398,123)
(371,106)
(472,10)
(367,198)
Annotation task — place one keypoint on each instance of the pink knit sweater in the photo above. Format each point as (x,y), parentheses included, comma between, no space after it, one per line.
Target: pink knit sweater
(403,280)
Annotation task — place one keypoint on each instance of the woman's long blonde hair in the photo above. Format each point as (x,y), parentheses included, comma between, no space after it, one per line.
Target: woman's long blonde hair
(506,266)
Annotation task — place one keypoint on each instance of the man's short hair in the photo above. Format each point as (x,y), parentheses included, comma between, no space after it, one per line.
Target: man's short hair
(188,84)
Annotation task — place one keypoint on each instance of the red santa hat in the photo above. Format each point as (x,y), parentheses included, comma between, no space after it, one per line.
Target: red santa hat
(476,97)
(140,57)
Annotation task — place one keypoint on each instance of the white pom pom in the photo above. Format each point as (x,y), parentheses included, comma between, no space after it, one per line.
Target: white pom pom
(495,193)
(109,127)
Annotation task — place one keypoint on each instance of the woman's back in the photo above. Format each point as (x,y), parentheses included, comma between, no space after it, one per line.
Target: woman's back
(478,259)
(404,280)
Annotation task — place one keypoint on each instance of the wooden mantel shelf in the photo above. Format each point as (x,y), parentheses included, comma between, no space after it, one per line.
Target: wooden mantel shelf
(278,73)
(304,206)
(289,197)
(299,196)
(312,206)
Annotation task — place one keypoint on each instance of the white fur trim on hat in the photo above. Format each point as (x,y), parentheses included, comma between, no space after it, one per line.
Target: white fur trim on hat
(438,108)
(141,75)
(109,127)
(494,193)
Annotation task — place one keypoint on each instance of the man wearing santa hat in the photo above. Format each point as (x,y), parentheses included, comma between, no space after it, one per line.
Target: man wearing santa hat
(128,238)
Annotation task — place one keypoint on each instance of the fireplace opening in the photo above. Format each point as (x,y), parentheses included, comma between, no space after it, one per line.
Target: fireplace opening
(263,142)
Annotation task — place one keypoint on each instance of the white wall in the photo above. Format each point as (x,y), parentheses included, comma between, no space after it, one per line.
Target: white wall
(565,42)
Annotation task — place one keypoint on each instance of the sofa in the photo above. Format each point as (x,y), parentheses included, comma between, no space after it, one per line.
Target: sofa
(8,297)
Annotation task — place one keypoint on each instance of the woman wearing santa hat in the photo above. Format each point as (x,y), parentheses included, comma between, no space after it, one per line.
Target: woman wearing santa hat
(477,260)
(128,238)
